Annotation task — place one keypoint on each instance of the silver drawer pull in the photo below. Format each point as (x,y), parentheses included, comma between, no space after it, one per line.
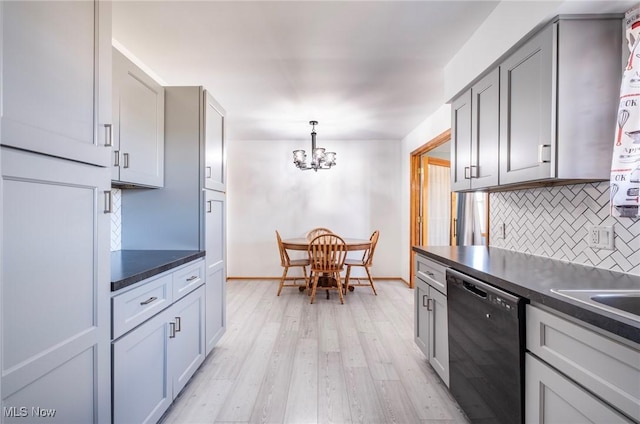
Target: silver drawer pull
(193,277)
(126,160)
(172,330)
(178,325)
(150,300)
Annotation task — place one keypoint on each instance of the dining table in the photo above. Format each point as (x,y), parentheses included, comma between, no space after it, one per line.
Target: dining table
(302,244)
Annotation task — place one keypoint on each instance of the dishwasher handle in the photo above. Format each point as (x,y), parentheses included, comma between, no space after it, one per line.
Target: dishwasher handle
(474,289)
(479,288)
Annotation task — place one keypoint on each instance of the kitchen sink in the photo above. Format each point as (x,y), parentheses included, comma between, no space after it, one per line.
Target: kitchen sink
(622,302)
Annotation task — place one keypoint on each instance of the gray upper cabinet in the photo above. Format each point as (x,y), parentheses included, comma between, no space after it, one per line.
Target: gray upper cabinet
(526,91)
(475,134)
(138,125)
(461,142)
(57,101)
(556,119)
(215,172)
(546,113)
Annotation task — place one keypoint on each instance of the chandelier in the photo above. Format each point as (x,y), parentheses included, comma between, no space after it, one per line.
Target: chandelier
(319,160)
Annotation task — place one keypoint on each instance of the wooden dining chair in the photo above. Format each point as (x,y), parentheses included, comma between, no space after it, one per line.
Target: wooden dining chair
(311,234)
(365,262)
(287,263)
(327,253)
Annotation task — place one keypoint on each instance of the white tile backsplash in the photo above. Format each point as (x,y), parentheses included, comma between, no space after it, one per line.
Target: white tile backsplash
(553,221)
(116,220)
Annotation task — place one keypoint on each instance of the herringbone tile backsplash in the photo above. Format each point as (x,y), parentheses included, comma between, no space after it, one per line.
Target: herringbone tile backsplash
(116,219)
(553,221)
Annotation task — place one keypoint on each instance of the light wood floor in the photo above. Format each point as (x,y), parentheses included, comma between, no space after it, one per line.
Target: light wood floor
(283,360)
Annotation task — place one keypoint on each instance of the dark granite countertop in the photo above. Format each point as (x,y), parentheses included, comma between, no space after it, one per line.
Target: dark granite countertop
(130,266)
(533,277)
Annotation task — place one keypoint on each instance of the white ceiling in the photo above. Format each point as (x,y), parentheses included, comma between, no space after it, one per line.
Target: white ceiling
(364,70)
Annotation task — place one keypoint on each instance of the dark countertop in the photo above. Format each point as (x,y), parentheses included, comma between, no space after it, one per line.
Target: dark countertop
(130,266)
(533,277)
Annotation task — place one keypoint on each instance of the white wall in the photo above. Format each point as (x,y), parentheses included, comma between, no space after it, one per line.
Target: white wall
(265,192)
(434,125)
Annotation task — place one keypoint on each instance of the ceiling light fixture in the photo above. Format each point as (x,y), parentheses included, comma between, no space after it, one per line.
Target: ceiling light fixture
(320,159)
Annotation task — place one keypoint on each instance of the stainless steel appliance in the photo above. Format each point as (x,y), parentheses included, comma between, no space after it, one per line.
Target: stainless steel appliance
(486,350)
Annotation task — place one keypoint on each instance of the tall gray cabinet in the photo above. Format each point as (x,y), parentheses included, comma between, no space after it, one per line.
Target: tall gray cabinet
(189,212)
(55,133)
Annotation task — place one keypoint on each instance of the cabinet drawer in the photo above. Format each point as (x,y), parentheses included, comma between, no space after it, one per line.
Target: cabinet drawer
(136,306)
(432,272)
(602,365)
(187,279)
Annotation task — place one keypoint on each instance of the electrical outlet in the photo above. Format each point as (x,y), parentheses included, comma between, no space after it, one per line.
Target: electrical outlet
(600,237)
(500,230)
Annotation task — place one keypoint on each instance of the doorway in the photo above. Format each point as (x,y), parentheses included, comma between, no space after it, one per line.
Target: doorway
(432,204)
(438,216)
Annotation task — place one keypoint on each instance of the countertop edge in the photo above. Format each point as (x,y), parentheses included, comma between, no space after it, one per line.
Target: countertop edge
(617,325)
(155,270)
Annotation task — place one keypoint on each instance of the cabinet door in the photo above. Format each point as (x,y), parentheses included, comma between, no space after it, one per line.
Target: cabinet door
(141,381)
(461,142)
(187,348)
(54,281)
(56,78)
(439,334)
(421,316)
(551,398)
(214,172)
(527,111)
(138,111)
(485,131)
(215,260)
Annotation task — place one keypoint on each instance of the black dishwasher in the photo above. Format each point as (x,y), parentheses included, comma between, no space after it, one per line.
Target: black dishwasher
(486,350)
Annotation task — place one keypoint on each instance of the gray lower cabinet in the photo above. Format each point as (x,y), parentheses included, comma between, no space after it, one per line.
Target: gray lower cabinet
(54,281)
(577,374)
(215,266)
(138,125)
(56,78)
(553,398)
(431,331)
(153,362)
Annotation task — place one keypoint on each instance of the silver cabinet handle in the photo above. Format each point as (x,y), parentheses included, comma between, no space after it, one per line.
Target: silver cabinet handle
(150,300)
(429,304)
(172,330)
(208,173)
(193,277)
(116,160)
(209,207)
(178,325)
(425,298)
(108,201)
(125,157)
(108,140)
(472,173)
(541,148)
(467,173)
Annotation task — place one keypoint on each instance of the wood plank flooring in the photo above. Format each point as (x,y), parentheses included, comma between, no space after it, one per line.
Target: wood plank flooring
(283,360)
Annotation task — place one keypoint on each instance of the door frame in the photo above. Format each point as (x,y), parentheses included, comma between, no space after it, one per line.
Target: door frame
(414,190)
